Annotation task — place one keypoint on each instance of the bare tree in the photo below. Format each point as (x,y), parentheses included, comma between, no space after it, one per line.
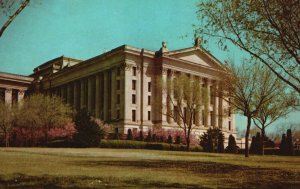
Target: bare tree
(7,120)
(267,30)
(281,104)
(248,88)
(7,7)
(186,96)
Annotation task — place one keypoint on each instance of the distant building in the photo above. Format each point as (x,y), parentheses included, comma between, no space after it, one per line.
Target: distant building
(119,86)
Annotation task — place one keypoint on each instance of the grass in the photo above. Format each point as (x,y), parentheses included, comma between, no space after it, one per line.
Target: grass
(132,168)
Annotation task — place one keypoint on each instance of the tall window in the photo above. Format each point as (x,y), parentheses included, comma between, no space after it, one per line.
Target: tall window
(134,71)
(194,116)
(229,125)
(149,86)
(2,95)
(229,112)
(118,114)
(118,98)
(133,84)
(118,72)
(149,115)
(118,84)
(185,114)
(175,114)
(149,100)
(133,99)
(212,118)
(203,117)
(133,115)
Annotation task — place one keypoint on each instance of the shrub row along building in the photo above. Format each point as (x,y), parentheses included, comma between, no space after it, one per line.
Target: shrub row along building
(121,86)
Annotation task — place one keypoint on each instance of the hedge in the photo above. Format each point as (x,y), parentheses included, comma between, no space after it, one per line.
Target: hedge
(127,144)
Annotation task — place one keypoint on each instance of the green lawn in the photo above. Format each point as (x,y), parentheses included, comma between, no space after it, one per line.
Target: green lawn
(127,168)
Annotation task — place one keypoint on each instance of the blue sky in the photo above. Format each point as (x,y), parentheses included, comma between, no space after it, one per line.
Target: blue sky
(86,28)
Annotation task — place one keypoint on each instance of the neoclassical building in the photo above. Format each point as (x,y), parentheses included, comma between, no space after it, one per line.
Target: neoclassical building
(121,86)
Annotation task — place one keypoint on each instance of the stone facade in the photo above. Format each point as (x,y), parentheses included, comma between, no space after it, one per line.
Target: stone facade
(121,86)
(13,87)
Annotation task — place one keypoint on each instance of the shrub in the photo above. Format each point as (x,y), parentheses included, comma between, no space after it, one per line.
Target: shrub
(141,136)
(170,140)
(154,139)
(149,136)
(255,146)
(89,133)
(177,141)
(220,147)
(129,134)
(232,147)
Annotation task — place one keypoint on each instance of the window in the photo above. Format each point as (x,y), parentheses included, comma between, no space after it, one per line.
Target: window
(203,117)
(133,99)
(149,100)
(194,116)
(118,72)
(229,125)
(133,115)
(184,114)
(229,112)
(133,84)
(175,114)
(118,114)
(149,86)
(149,115)
(211,118)
(118,84)
(118,98)
(134,71)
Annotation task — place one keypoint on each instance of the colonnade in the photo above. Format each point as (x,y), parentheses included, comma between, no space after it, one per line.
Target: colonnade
(9,95)
(209,113)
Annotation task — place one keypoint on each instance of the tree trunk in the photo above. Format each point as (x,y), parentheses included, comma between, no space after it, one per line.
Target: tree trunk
(262,140)
(247,136)
(188,143)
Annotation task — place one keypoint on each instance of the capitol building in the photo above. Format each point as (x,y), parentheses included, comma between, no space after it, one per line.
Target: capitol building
(121,86)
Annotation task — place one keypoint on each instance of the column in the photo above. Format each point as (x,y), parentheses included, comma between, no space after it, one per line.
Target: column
(90,95)
(216,104)
(97,96)
(164,91)
(199,104)
(170,97)
(69,94)
(207,104)
(220,121)
(8,96)
(127,91)
(209,83)
(21,94)
(105,93)
(113,94)
(82,94)
(75,96)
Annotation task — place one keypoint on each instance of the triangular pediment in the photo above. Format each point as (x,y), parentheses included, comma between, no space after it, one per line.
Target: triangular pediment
(197,56)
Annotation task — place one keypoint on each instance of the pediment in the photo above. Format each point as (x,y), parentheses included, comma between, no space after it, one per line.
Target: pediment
(197,56)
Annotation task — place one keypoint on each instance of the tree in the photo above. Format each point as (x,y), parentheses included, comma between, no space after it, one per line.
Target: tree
(7,120)
(231,148)
(7,6)
(283,145)
(44,112)
(129,134)
(289,143)
(220,147)
(185,94)
(280,105)
(268,31)
(89,133)
(212,140)
(248,88)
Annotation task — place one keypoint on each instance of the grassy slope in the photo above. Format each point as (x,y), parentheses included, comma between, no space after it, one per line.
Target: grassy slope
(119,168)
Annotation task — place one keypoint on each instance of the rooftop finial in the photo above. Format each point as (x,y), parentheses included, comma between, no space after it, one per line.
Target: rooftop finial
(164,47)
(197,42)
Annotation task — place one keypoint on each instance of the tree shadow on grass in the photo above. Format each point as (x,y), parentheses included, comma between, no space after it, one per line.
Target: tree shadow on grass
(239,176)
